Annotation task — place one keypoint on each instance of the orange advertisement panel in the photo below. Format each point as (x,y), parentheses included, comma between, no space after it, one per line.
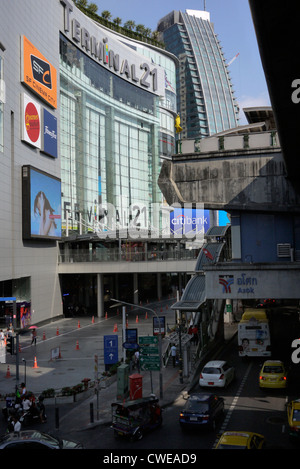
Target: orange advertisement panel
(38,73)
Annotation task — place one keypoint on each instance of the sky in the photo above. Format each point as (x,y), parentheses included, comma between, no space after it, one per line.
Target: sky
(232,23)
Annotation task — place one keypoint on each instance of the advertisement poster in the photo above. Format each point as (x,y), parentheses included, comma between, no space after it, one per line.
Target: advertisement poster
(45,202)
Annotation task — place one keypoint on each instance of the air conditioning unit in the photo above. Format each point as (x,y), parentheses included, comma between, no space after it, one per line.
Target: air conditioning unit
(283,250)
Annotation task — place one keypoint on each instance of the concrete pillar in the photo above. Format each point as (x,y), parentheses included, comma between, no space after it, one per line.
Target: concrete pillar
(100,296)
(135,289)
(158,277)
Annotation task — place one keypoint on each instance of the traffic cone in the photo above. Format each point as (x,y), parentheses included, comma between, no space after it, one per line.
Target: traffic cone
(57,331)
(77,345)
(137,319)
(105,315)
(146,315)
(44,336)
(78,325)
(35,363)
(7,373)
(115,328)
(93,320)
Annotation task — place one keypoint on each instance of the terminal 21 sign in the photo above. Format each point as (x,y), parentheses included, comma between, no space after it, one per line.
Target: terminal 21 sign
(110,52)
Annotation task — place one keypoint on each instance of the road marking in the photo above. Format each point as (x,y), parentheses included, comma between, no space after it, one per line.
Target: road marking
(234,402)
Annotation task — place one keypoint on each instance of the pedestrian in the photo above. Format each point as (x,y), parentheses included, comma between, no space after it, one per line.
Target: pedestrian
(16,425)
(26,403)
(23,391)
(137,360)
(174,353)
(33,337)
(41,409)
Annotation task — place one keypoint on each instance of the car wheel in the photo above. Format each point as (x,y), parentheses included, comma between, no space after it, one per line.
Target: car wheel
(138,435)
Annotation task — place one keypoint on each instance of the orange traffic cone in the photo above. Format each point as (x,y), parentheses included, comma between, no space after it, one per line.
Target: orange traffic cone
(105,315)
(137,318)
(77,345)
(115,328)
(93,320)
(44,336)
(57,331)
(146,315)
(78,325)
(35,363)
(7,373)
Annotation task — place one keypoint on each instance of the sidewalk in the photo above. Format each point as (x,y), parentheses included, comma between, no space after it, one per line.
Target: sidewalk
(173,388)
(78,339)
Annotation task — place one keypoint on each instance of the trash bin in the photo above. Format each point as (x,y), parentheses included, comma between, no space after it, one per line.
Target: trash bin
(135,386)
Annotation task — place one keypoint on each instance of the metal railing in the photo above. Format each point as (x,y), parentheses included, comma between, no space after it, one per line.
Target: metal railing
(115,255)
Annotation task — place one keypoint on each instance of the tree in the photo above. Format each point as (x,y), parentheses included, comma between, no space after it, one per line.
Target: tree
(92,7)
(140,28)
(129,25)
(81,3)
(117,21)
(106,15)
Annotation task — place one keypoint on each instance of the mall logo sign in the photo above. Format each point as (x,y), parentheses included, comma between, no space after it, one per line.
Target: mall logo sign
(41,71)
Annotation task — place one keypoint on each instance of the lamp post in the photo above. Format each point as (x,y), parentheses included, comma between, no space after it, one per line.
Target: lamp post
(159,341)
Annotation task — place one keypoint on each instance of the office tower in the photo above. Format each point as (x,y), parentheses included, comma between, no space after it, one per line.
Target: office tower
(205,99)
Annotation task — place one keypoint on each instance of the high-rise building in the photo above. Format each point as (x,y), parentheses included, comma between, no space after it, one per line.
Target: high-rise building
(205,98)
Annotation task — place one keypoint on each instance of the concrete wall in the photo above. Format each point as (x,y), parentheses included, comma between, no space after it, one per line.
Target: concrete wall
(39,22)
(230,180)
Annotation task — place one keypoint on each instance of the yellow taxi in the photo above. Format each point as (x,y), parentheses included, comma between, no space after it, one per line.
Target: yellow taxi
(293,416)
(273,375)
(241,440)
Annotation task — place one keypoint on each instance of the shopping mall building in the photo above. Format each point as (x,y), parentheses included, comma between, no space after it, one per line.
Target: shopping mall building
(85,115)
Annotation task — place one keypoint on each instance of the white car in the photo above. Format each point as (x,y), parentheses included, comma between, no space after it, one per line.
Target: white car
(217,373)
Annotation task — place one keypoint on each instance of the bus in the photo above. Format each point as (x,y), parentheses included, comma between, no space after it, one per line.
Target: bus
(254,334)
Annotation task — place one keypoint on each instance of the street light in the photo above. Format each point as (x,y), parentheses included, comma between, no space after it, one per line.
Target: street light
(159,341)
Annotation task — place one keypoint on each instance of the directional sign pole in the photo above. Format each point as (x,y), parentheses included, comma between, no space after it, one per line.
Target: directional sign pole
(159,340)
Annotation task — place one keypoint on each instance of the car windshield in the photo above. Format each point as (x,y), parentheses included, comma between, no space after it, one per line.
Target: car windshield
(209,370)
(296,415)
(194,405)
(273,369)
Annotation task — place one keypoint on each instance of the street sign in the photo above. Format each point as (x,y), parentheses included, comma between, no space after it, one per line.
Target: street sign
(150,363)
(149,353)
(159,325)
(148,339)
(110,349)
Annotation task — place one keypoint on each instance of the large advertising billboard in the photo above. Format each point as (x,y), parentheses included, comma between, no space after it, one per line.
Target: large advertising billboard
(41,194)
(38,73)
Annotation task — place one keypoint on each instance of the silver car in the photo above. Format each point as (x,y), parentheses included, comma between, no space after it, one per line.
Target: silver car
(33,439)
(217,373)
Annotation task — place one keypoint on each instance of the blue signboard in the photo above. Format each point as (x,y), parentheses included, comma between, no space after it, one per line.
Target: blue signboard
(110,349)
(50,134)
(189,221)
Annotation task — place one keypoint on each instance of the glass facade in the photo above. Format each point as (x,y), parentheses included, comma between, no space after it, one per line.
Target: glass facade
(110,137)
(204,92)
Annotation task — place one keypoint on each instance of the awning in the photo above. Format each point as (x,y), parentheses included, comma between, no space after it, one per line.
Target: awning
(209,254)
(193,296)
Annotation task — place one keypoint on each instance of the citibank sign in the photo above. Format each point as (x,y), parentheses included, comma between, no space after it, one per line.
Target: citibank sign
(110,52)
